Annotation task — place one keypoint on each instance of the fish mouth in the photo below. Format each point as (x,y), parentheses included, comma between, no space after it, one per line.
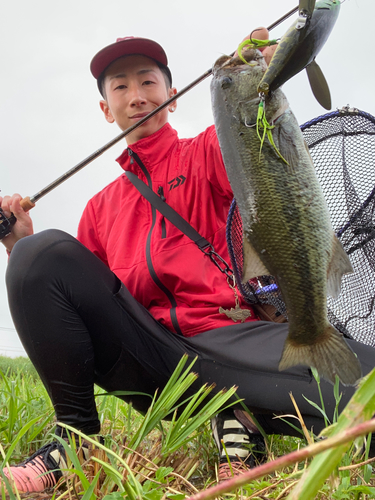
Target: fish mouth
(253,57)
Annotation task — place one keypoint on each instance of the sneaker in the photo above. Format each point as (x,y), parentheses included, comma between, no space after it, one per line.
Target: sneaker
(30,476)
(243,442)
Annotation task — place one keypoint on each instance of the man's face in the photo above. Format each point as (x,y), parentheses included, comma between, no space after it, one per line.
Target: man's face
(134,86)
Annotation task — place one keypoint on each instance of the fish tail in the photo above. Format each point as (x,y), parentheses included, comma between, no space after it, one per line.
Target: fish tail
(331,356)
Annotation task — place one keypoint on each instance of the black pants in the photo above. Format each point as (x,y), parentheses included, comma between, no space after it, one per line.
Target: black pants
(80,326)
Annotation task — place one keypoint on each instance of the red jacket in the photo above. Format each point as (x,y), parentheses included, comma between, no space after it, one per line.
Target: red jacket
(161,267)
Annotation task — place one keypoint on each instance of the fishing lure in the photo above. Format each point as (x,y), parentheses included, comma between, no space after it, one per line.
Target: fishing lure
(298,49)
(254,43)
(306,9)
(262,123)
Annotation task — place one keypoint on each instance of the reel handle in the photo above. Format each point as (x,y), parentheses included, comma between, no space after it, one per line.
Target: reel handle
(6,223)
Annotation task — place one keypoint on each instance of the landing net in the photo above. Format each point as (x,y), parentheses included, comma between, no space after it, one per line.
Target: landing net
(342,145)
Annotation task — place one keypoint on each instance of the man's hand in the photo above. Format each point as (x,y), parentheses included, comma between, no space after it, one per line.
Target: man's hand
(261,34)
(23,226)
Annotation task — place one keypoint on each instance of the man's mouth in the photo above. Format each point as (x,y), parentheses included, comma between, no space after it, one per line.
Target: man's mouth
(140,115)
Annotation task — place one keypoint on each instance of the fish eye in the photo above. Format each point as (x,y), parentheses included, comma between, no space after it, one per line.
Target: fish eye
(226,82)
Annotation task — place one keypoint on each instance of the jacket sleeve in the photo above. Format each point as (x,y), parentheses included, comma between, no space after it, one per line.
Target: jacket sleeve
(88,233)
(216,172)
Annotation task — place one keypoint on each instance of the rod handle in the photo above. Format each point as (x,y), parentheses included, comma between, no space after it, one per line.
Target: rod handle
(6,223)
(27,204)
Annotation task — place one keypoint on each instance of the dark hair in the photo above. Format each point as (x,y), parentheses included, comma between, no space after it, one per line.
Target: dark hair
(166,73)
(164,69)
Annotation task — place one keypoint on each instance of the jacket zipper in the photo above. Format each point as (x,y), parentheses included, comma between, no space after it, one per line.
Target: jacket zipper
(154,276)
(163,228)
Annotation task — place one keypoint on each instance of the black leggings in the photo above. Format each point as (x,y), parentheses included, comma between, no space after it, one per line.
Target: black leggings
(80,325)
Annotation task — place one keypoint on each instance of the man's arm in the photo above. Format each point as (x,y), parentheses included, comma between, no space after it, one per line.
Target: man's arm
(23,226)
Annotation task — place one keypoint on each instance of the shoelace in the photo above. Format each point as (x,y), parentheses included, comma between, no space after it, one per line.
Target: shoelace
(225,471)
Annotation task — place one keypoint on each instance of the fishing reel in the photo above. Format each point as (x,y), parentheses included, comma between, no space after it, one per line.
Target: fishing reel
(6,224)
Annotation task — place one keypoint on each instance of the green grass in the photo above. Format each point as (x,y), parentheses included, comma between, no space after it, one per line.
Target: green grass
(148,458)
(11,366)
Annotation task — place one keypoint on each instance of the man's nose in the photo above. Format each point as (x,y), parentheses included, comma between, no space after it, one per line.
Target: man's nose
(136,96)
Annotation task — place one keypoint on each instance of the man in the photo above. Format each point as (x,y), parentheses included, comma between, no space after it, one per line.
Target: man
(122,305)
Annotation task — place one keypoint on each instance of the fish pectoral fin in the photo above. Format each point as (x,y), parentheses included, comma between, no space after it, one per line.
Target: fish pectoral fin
(319,85)
(340,264)
(330,355)
(252,265)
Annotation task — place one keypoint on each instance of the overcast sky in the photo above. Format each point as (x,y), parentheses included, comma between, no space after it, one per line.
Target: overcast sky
(49,113)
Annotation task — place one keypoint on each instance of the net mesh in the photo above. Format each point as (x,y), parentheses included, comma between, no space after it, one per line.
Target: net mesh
(342,145)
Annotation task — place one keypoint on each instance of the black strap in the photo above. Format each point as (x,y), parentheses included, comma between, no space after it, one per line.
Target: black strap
(168,212)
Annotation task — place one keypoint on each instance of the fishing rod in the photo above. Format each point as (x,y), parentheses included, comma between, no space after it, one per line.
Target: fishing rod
(27,203)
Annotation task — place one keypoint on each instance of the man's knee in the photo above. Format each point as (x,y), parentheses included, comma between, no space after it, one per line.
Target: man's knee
(36,243)
(25,256)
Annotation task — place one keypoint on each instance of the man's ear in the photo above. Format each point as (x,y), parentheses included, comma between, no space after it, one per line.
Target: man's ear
(171,92)
(107,112)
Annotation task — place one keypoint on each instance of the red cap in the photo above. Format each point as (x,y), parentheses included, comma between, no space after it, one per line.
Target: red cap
(125,47)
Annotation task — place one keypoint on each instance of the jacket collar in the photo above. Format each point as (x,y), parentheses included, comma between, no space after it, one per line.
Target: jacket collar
(151,150)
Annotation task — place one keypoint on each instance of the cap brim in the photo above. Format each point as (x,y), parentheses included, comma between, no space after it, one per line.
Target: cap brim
(126,47)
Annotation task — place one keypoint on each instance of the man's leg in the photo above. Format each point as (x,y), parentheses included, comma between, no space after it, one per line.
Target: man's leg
(80,326)
(248,355)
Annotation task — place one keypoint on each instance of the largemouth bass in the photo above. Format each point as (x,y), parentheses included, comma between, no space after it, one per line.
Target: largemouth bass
(286,224)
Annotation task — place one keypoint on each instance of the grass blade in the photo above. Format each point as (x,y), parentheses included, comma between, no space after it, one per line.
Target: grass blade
(345,437)
(89,493)
(23,431)
(360,408)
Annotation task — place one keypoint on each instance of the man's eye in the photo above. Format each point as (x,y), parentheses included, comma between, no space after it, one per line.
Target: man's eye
(148,82)
(120,87)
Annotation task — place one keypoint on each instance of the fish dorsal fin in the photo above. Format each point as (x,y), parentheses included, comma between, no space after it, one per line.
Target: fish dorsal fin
(339,265)
(252,265)
(319,85)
